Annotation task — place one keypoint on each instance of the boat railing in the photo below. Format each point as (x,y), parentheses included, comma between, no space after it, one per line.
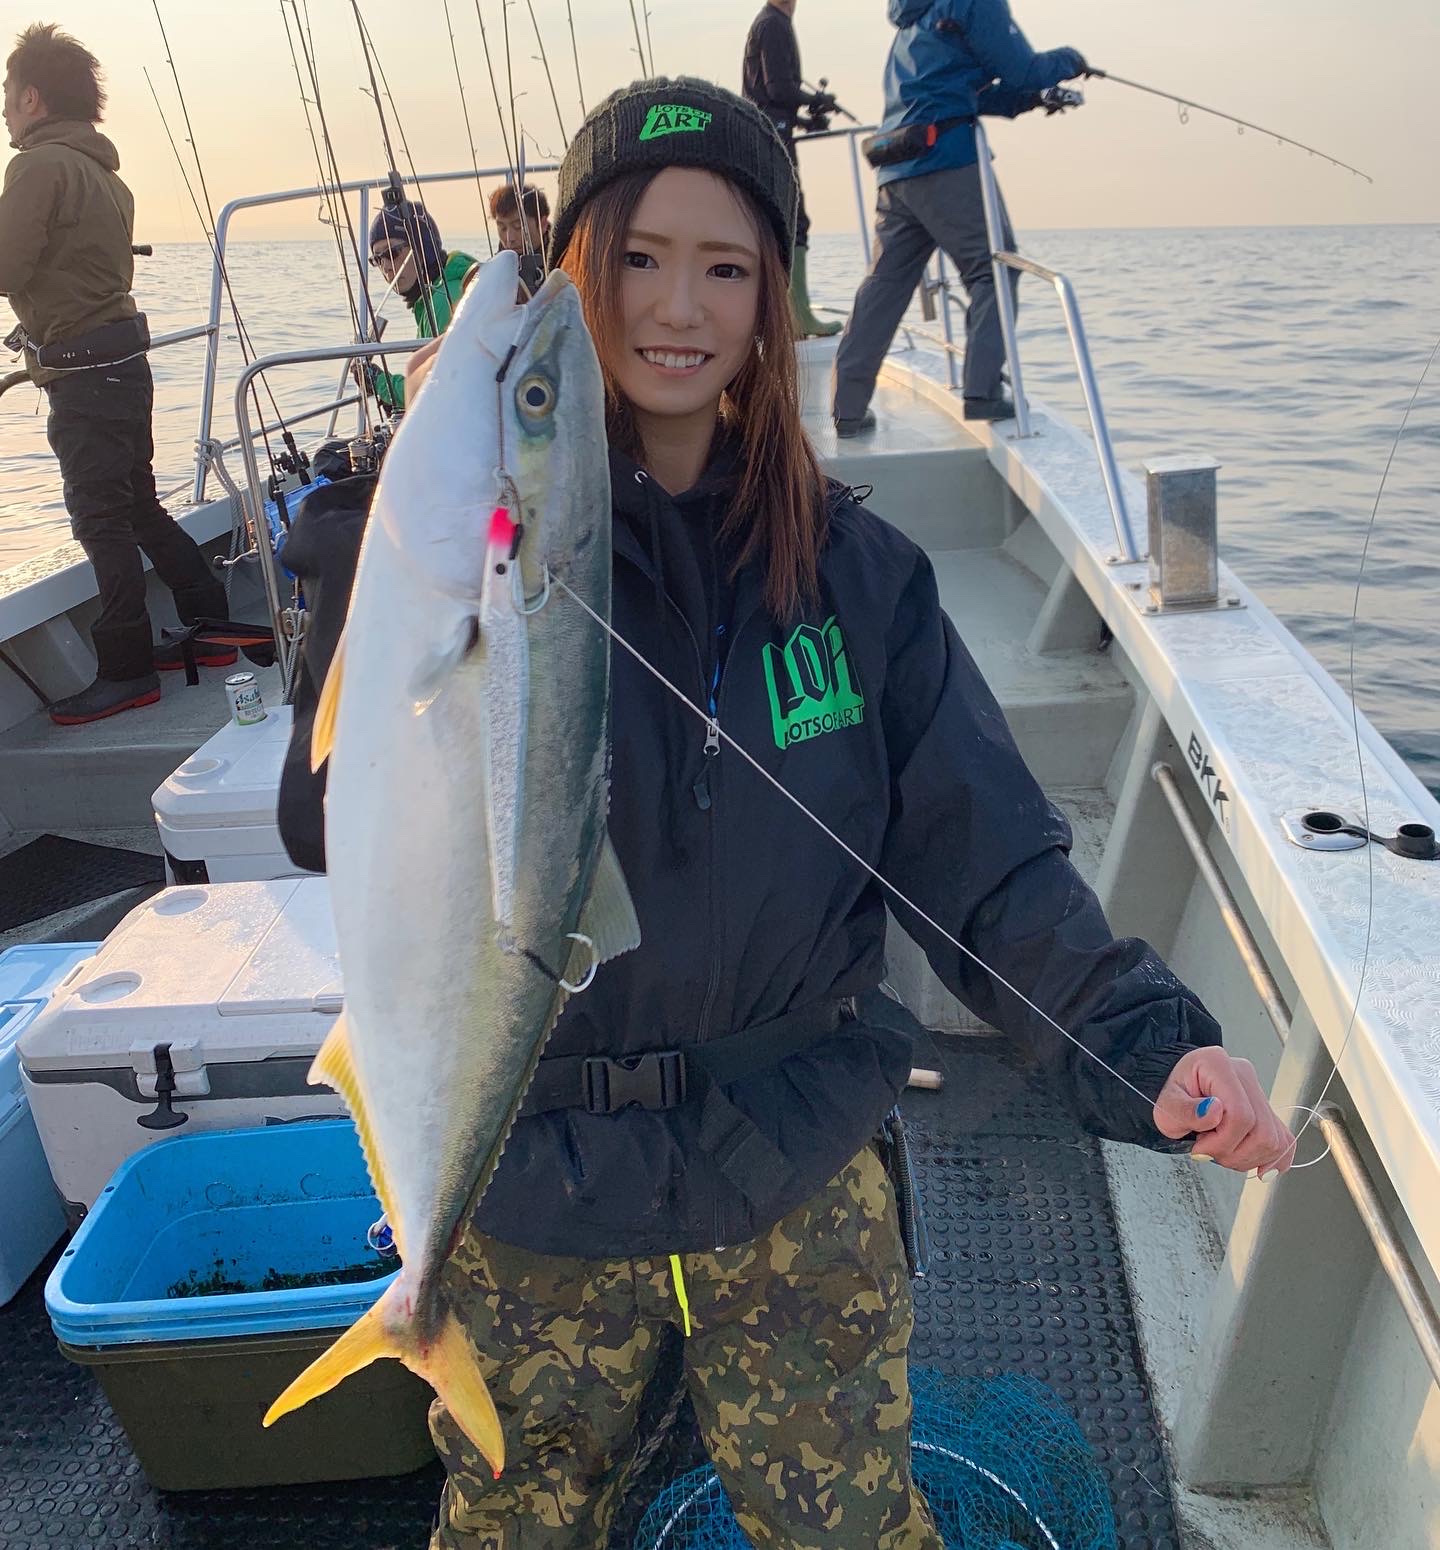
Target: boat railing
(252,493)
(1005,262)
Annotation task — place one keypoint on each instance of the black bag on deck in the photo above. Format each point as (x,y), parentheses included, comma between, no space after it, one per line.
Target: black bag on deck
(322,549)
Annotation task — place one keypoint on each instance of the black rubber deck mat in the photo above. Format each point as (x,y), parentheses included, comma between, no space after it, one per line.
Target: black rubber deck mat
(52,873)
(1026,1276)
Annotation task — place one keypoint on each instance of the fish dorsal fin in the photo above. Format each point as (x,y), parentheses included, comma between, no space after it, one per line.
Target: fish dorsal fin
(322,735)
(608,916)
(335,1067)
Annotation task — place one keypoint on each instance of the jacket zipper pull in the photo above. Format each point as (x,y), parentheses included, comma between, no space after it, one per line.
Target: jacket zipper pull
(701,789)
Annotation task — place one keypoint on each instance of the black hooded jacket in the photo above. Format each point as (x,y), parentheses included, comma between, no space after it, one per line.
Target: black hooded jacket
(871,712)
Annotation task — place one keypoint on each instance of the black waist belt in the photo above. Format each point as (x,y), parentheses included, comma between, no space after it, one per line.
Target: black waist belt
(107,345)
(891,146)
(695,1076)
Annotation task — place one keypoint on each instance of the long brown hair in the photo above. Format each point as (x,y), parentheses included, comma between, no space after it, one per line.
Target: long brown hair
(777,515)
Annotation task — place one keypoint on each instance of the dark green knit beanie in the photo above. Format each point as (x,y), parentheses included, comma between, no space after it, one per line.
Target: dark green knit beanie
(679,122)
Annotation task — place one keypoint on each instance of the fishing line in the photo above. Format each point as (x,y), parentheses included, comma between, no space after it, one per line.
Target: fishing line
(1359,748)
(469,133)
(713,727)
(1185,106)
(545,60)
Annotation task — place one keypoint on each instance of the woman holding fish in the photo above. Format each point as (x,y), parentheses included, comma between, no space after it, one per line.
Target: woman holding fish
(695,1148)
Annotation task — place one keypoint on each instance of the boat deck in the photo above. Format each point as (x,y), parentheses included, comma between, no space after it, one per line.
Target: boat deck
(1026,1276)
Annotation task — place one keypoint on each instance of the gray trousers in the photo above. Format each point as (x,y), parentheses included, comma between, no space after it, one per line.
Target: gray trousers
(914,216)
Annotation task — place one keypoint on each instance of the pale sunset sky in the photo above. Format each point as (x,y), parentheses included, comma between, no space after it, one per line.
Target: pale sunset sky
(1356,81)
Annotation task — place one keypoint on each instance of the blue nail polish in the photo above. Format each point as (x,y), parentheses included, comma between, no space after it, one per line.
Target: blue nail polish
(1203,1107)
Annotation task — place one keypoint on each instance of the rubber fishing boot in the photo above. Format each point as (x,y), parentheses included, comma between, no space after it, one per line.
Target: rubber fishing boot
(807,325)
(124,677)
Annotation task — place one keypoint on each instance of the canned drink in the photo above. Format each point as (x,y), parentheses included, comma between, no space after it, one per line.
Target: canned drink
(246,705)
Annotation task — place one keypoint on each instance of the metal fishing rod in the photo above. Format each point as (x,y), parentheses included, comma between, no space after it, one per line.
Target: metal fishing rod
(393,195)
(335,194)
(328,212)
(469,132)
(510,87)
(545,60)
(575,51)
(495,89)
(296,460)
(1186,105)
(639,46)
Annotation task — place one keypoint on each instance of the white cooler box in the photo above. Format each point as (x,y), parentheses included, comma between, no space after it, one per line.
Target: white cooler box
(222,995)
(216,813)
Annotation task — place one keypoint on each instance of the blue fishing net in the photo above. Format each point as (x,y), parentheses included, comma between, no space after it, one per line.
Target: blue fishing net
(1002,1463)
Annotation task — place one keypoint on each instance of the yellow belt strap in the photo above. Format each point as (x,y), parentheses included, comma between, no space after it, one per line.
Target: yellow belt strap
(677,1274)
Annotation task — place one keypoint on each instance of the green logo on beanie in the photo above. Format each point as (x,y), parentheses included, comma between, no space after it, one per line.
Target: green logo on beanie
(671,118)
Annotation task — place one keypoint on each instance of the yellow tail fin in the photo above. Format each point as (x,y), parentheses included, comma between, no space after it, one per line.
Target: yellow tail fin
(448,1366)
(366,1341)
(451,1370)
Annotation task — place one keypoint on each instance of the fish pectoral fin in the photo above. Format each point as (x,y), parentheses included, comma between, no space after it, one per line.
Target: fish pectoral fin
(322,734)
(607,918)
(435,671)
(366,1341)
(451,1369)
(334,1066)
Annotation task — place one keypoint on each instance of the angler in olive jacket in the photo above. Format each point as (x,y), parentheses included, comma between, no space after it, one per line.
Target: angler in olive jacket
(66,225)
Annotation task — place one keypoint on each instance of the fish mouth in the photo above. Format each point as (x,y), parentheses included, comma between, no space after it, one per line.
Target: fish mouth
(552,295)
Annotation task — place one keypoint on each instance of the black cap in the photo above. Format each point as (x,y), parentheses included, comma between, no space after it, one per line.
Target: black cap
(677,122)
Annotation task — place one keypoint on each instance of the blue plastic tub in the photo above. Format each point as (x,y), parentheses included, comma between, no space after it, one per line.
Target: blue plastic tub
(31,1215)
(190,1376)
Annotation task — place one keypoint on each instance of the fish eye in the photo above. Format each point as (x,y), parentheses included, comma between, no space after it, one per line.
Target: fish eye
(536,396)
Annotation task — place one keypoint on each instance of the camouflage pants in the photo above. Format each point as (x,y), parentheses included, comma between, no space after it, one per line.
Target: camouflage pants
(795,1364)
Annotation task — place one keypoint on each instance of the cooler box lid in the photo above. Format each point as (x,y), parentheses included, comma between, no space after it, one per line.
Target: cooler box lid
(28,974)
(225,972)
(231,781)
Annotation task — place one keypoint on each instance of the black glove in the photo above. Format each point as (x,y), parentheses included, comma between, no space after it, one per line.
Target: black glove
(822,103)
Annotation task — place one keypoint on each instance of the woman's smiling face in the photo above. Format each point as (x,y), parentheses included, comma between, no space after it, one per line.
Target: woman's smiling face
(690,294)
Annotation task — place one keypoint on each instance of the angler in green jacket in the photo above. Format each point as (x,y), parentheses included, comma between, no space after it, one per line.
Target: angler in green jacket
(405,247)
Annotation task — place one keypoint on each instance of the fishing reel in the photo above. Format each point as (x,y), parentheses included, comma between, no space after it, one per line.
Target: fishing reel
(1057,98)
(367,452)
(816,115)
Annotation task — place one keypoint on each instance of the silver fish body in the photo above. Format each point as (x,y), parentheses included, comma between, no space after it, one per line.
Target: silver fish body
(471,875)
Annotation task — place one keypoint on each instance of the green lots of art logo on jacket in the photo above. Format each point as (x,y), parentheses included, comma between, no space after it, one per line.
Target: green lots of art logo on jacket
(672,118)
(812,689)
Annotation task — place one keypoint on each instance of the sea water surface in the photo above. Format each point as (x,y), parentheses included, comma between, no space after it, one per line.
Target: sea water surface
(1288,354)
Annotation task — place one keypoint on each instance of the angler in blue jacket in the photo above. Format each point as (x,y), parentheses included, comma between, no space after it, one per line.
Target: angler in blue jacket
(951,60)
